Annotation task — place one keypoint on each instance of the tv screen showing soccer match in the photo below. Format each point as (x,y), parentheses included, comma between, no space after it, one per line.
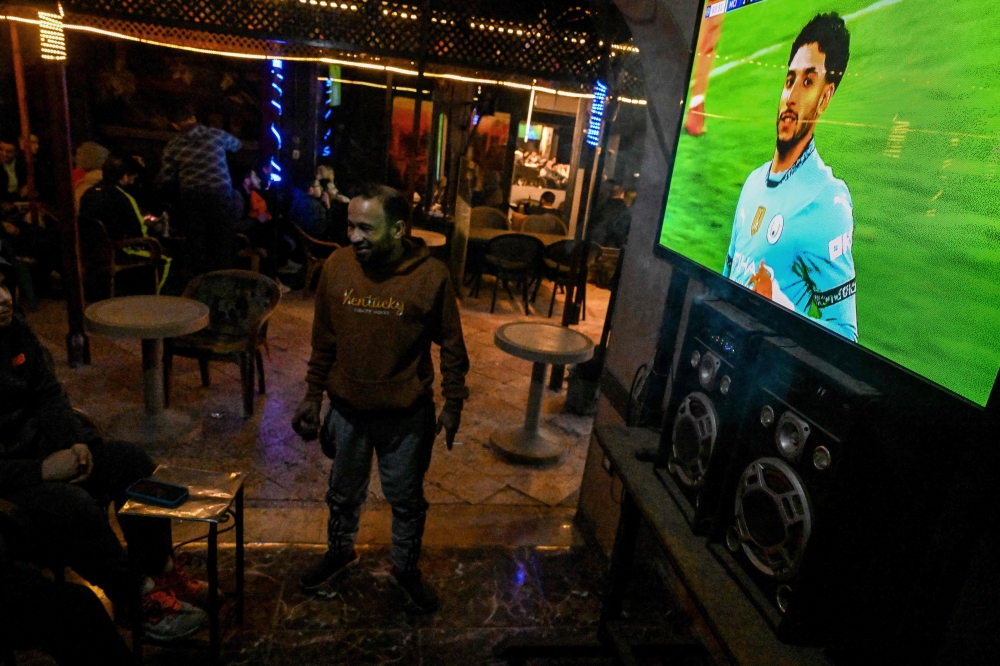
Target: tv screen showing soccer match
(840,158)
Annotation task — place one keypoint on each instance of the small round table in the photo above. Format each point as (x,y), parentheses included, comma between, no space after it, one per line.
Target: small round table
(150,318)
(544,344)
(431,238)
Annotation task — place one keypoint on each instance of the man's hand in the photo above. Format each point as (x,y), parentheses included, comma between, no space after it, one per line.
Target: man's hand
(73,464)
(449,420)
(306,420)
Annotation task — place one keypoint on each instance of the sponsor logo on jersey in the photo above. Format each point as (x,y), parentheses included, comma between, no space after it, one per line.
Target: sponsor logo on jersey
(825,299)
(774,229)
(841,245)
(757,220)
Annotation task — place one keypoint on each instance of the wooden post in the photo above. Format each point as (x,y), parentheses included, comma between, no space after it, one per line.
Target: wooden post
(77,342)
(387,124)
(22,107)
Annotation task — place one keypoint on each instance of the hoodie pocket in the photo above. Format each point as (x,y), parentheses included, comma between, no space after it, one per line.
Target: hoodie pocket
(400,391)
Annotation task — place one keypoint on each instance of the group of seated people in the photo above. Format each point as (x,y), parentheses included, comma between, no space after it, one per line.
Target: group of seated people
(201,216)
(57,478)
(264,214)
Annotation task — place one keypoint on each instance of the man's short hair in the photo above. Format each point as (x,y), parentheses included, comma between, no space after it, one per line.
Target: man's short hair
(116,167)
(393,202)
(547,198)
(181,113)
(830,34)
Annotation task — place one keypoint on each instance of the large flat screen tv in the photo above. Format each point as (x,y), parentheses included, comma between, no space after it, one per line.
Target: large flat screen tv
(840,158)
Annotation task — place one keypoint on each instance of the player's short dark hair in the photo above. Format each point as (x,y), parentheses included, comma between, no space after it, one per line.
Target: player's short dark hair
(830,34)
(393,202)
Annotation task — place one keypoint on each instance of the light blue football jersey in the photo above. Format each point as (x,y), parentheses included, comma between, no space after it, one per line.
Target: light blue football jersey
(793,237)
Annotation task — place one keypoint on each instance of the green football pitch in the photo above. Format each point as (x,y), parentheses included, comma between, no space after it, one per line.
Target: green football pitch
(914,131)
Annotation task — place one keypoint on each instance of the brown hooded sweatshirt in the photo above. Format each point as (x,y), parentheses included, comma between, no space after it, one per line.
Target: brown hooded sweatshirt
(374,327)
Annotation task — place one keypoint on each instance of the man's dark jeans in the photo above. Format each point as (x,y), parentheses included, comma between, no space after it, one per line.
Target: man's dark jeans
(210,227)
(71,524)
(403,446)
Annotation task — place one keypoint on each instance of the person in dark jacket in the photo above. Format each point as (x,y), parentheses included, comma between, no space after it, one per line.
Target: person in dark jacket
(379,306)
(62,475)
(64,620)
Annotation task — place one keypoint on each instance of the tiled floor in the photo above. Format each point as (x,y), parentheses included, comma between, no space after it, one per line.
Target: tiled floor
(486,594)
(502,503)
(500,548)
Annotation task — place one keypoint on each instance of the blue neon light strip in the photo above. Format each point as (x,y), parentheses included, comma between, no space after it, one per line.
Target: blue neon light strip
(723,6)
(597,114)
(274,131)
(277,64)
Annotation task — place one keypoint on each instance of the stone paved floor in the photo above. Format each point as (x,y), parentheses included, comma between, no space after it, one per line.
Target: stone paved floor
(486,594)
(501,503)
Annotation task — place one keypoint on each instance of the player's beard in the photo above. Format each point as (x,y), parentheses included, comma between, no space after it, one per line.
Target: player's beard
(803,128)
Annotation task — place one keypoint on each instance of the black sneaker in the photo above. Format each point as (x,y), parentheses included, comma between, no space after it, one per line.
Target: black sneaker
(423,597)
(327,569)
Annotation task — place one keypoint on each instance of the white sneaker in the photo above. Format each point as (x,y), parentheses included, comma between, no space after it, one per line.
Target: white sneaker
(167,617)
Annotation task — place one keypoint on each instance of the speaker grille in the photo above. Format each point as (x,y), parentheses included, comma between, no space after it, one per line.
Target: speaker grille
(773,517)
(695,430)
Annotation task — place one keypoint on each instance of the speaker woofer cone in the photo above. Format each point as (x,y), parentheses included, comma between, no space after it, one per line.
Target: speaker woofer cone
(695,429)
(773,517)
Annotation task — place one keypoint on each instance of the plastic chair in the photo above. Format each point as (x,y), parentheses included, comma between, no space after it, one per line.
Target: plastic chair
(484,217)
(239,303)
(512,257)
(562,264)
(316,252)
(544,224)
(246,250)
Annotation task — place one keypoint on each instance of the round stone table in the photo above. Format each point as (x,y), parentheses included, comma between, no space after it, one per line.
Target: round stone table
(431,238)
(150,318)
(543,344)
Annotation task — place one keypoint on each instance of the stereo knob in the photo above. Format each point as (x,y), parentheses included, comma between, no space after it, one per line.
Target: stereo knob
(725,384)
(822,458)
(695,358)
(766,416)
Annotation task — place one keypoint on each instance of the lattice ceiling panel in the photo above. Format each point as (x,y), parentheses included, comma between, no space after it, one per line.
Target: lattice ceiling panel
(559,44)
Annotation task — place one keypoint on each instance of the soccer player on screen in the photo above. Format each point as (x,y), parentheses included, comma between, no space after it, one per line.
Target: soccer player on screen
(794,225)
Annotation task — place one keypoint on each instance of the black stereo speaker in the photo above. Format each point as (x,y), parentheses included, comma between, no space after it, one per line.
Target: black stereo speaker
(706,406)
(779,522)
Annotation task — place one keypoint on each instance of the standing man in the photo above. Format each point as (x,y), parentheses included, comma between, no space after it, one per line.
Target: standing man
(379,306)
(793,232)
(194,166)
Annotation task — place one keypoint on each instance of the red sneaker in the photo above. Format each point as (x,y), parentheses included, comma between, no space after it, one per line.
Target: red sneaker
(181,584)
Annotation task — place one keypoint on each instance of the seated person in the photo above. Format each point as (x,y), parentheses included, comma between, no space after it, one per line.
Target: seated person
(89,158)
(612,220)
(311,210)
(324,172)
(109,204)
(546,206)
(13,176)
(61,476)
(63,620)
(256,220)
